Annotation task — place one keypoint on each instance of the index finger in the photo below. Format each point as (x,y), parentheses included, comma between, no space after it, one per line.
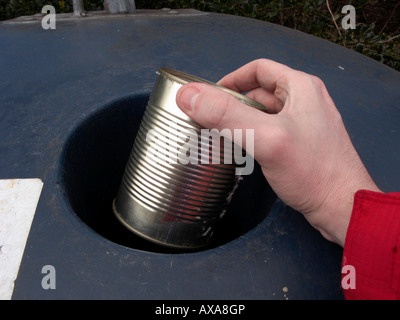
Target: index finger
(262,73)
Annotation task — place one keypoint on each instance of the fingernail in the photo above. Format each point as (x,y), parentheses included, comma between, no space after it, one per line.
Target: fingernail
(187,98)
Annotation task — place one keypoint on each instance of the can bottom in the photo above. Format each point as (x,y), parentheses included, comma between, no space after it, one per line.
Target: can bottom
(152,226)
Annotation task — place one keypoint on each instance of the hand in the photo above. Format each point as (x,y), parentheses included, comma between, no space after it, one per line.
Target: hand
(301,143)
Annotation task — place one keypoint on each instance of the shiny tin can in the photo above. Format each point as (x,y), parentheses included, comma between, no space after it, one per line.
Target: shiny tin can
(161,198)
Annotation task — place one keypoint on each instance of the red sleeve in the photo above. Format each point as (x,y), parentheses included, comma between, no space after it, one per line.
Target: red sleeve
(372,247)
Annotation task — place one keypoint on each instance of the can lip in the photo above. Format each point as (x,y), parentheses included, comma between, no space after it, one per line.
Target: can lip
(184,78)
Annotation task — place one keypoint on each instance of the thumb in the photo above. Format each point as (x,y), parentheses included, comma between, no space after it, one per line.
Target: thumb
(212,108)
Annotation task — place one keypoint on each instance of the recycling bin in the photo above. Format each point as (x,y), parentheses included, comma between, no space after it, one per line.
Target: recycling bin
(71,102)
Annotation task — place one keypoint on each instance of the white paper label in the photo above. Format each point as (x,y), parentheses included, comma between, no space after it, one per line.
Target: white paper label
(18,201)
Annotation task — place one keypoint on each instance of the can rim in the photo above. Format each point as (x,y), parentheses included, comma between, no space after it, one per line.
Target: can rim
(184,78)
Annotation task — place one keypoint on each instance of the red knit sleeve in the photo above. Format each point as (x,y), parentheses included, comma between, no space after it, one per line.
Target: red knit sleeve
(372,247)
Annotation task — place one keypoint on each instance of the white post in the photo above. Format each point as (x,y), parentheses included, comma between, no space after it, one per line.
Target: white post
(79,10)
(120,6)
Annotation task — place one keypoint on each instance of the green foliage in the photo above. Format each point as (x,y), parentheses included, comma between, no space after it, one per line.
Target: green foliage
(14,8)
(313,17)
(382,47)
(376,33)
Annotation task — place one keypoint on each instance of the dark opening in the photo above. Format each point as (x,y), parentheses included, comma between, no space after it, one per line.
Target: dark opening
(93,164)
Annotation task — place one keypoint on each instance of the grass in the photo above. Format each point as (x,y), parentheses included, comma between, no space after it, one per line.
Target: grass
(377,32)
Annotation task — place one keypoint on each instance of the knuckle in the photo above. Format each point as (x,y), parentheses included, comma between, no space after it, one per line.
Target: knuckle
(317,82)
(280,142)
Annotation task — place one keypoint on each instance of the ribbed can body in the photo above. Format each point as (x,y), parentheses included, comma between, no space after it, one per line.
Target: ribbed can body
(169,194)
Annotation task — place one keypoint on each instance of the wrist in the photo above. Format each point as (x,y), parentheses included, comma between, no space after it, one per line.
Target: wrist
(333,218)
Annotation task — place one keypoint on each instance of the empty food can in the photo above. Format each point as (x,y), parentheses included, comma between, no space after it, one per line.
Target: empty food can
(177,181)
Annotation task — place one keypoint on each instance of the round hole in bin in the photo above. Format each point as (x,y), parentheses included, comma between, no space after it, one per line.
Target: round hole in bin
(93,163)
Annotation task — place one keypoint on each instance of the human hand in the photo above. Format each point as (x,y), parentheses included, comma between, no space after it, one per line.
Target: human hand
(301,143)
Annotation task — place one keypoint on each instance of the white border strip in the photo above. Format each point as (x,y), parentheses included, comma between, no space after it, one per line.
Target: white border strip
(18,202)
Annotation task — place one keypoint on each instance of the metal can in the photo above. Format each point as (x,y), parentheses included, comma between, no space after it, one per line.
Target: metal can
(166,195)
